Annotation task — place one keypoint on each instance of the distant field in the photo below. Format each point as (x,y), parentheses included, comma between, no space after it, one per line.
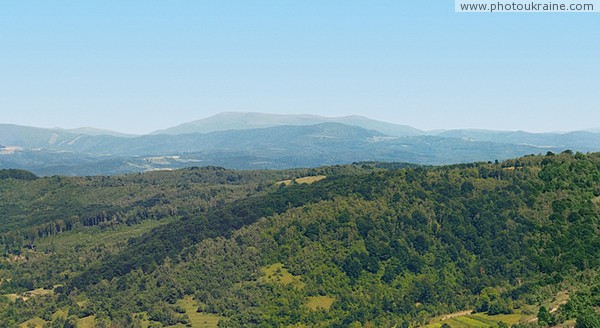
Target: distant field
(62,313)
(12,297)
(200,320)
(27,295)
(276,273)
(37,322)
(478,320)
(307,180)
(319,302)
(465,319)
(96,235)
(87,322)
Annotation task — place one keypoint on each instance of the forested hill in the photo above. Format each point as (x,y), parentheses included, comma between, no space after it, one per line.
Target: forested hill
(359,246)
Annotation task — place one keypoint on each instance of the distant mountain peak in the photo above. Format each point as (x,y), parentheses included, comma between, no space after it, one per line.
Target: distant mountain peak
(251,120)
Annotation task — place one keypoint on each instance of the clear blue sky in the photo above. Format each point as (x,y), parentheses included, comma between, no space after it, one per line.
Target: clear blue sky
(136,66)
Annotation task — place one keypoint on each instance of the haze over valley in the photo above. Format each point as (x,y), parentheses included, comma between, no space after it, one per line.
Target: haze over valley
(268,141)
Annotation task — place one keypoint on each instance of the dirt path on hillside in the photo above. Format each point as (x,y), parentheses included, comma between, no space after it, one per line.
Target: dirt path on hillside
(456,314)
(552,310)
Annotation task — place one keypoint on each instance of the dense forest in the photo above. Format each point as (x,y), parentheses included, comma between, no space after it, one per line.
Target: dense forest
(369,244)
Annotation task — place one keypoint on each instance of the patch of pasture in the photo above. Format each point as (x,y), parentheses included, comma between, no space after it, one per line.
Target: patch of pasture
(37,322)
(29,294)
(277,273)
(197,319)
(319,302)
(62,313)
(87,322)
(307,180)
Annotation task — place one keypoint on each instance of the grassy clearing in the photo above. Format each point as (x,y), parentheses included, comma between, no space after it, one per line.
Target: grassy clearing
(307,180)
(83,303)
(508,318)
(201,320)
(469,321)
(39,291)
(62,313)
(462,320)
(437,321)
(97,236)
(204,320)
(568,323)
(29,294)
(319,302)
(465,319)
(451,322)
(87,322)
(12,297)
(277,273)
(37,322)
(558,300)
(485,319)
(143,317)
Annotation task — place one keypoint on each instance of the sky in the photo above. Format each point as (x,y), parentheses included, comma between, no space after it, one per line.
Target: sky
(137,66)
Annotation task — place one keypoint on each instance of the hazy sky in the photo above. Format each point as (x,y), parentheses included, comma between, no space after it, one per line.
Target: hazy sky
(137,66)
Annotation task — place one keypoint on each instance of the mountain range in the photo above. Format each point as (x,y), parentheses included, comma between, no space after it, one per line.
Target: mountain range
(267,141)
(244,121)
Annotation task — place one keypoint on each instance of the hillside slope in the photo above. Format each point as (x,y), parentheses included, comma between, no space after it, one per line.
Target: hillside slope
(364,246)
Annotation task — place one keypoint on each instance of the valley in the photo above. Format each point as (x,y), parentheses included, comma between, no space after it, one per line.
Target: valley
(258,141)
